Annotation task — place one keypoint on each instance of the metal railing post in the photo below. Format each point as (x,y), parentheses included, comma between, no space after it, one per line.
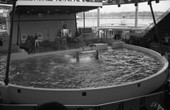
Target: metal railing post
(156,28)
(6,80)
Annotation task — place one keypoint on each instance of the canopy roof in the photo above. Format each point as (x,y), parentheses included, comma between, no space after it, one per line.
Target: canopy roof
(55,6)
(5,6)
(116,2)
(107,2)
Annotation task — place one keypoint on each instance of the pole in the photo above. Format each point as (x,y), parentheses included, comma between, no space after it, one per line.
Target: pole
(136,15)
(18,31)
(6,80)
(156,28)
(98,20)
(98,17)
(84,25)
(75,21)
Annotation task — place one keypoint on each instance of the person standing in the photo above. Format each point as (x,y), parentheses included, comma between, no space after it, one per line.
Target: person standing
(64,36)
(36,41)
(65,31)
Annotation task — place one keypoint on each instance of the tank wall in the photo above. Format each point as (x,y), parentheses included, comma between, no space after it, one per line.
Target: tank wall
(86,96)
(48,25)
(91,96)
(4,94)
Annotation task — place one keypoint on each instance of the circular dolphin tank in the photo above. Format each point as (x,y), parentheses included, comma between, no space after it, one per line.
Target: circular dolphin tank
(19,92)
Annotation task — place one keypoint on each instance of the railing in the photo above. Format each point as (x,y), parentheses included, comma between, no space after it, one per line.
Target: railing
(67,0)
(157,21)
(18,106)
(144,100)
